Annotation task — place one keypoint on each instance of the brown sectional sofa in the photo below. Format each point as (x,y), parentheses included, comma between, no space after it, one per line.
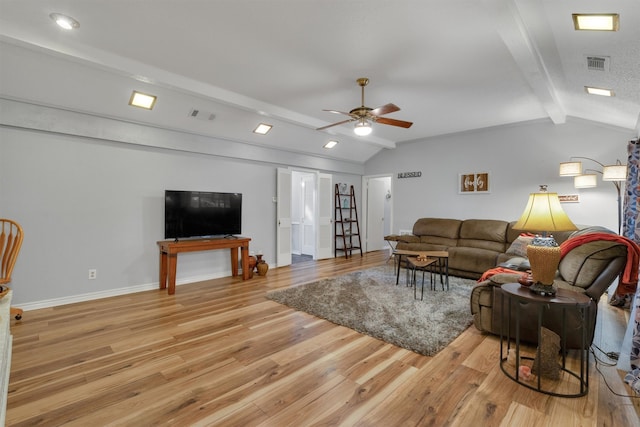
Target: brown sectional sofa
(477,245)
(474,245)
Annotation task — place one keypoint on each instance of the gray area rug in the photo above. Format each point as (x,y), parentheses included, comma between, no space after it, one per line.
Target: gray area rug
(369,302)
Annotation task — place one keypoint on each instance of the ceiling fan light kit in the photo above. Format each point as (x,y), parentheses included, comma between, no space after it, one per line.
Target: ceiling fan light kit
(365,116)
(362,128)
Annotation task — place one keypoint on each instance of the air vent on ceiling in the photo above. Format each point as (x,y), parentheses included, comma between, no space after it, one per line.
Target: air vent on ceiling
(201,115)
(598,63)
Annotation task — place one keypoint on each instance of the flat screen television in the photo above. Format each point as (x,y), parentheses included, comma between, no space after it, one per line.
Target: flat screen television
(201,214)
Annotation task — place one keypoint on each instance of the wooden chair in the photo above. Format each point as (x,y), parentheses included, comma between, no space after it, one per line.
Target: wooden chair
(10,242)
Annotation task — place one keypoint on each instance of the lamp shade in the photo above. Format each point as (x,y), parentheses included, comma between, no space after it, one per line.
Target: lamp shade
(588,180)
(614,173)
(570,168)
(544,213)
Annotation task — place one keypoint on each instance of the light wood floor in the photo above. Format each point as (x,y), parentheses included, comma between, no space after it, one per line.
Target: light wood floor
(220,353)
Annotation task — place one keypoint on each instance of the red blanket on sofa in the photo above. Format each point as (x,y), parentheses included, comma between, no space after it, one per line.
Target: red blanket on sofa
(629,280)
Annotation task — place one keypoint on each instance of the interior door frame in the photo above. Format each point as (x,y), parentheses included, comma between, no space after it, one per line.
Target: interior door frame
(320,222)
(365,204)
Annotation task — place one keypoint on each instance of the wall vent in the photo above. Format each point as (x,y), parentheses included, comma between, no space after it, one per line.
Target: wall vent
(201,115)
(598,63)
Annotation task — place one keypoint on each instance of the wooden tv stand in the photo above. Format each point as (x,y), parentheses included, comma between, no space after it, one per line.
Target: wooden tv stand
(169,250)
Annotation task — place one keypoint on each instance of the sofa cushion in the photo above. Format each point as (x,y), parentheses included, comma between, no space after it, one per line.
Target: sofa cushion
(437,231)
(484,229)
(417,247)
(484,234)
(583,264)
(471,259)
(503,278)
(440,227)
(519,246)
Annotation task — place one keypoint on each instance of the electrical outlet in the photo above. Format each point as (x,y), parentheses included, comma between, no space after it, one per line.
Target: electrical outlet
(93,273)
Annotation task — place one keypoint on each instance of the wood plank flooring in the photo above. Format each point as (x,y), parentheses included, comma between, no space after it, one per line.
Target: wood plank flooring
(220,353)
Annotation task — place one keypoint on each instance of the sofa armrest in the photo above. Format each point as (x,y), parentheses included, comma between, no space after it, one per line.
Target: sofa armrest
(403,238)
(605,278)
(482,300)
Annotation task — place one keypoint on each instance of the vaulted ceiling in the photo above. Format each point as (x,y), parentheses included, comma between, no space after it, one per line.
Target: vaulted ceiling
(450,66)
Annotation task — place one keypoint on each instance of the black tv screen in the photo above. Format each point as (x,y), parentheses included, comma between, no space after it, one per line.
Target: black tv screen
(201,214)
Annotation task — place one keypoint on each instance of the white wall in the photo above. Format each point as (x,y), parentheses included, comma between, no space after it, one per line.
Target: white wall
(518,157)
(96,200)
(92,203)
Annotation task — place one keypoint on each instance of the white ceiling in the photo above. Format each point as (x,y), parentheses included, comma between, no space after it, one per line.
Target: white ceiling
(450,66)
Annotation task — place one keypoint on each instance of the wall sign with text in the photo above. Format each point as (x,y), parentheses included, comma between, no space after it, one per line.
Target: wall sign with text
(409,175)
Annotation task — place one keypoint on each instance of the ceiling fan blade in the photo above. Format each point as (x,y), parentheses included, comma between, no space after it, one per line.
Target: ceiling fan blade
(393,122)
(336,124)
(384,109)
(337,112)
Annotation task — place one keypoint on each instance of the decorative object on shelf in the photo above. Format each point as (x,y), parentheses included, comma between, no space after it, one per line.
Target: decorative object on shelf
(616,174)
(262,267)
(544,213)
(473,183)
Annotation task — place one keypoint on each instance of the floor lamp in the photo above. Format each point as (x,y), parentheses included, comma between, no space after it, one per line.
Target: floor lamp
(616,174)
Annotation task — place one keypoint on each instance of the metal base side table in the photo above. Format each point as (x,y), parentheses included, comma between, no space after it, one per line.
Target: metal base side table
(420,265)
(442,265)
(578,378)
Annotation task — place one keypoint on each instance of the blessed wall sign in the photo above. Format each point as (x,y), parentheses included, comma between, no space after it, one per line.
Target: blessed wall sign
(409,175)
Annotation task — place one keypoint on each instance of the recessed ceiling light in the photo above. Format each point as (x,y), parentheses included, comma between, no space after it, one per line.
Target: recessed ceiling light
(142,100)
(331,144)
(262,129)
(599,91)
(64,21)
(596,21)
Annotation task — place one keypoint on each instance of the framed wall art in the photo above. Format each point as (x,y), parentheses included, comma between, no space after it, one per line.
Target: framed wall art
(474,183)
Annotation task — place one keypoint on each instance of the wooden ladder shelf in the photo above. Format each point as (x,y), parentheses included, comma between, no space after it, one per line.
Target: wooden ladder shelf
(346,226)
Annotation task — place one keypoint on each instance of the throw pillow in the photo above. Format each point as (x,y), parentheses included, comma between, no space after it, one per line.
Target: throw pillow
(519,246)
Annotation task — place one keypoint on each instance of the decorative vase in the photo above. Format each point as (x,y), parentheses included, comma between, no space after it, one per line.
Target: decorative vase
(262,267)
(252,265)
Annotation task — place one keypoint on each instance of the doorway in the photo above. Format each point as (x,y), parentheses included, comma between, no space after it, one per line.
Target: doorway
(378,215)
(303,214)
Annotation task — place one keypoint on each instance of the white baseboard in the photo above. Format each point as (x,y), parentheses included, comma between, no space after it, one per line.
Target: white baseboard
(54,302)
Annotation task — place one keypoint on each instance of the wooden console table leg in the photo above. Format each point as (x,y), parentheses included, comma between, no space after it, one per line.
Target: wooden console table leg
(244,251)
(162,277)
(234,261)
(172,264)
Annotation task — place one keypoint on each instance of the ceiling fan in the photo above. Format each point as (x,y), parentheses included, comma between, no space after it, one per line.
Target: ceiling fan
(364,116)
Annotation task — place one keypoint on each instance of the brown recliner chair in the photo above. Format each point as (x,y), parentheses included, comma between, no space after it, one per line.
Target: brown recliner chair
(589,268)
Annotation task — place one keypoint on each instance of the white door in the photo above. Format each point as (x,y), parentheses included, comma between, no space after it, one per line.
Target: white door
(297,210)
(324,230)
(376,202)
(283,217)
(308,214)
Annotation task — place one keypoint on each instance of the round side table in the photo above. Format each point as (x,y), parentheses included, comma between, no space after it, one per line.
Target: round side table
(514,295)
